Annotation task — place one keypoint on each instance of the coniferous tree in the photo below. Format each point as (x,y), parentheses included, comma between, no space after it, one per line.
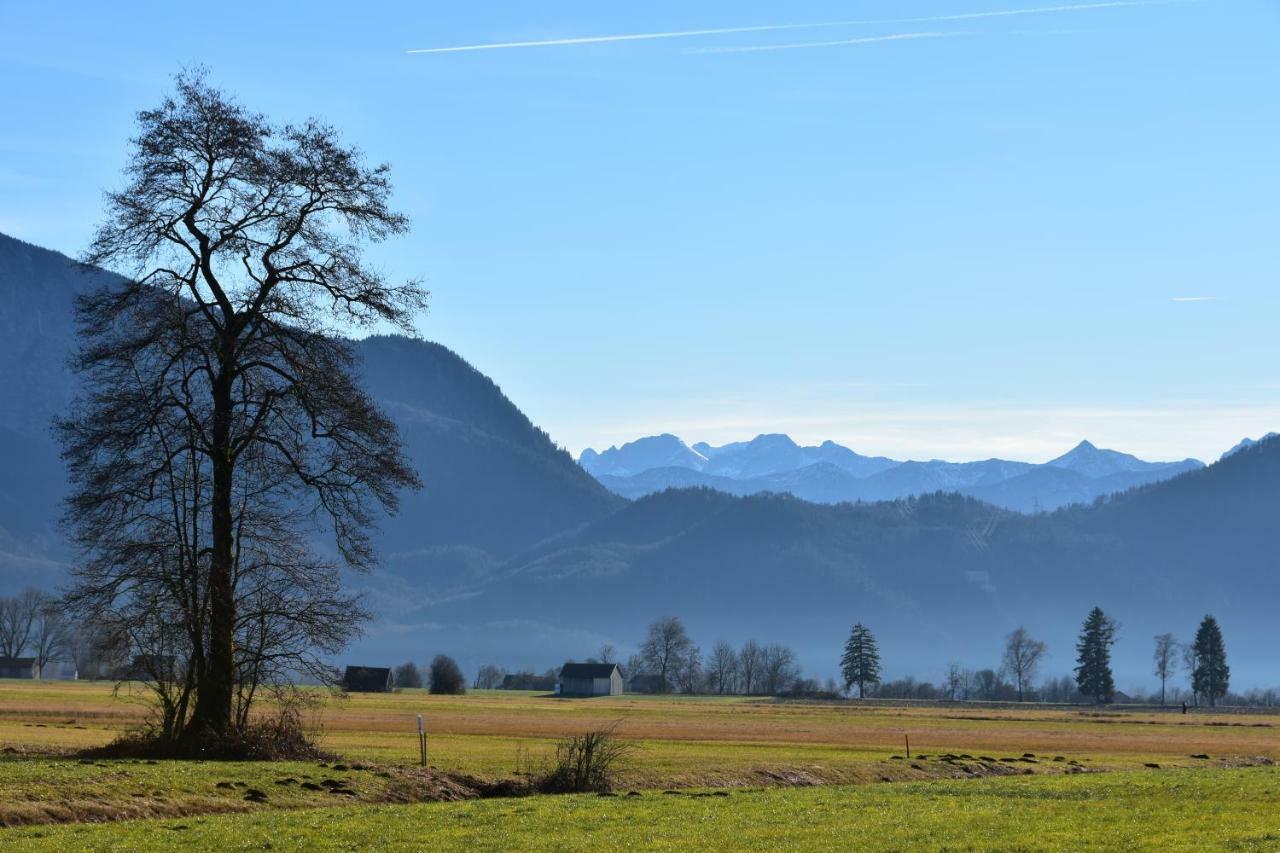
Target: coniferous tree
(1093,661)
(1211,674)
(860,664)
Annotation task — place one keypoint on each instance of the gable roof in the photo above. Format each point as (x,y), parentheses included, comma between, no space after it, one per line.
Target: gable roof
(366,679)
(589,670)
(10,662)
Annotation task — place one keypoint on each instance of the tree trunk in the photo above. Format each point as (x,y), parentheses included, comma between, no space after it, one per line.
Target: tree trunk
(212,715)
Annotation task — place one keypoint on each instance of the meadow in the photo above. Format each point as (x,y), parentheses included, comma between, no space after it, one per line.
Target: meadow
(759,771)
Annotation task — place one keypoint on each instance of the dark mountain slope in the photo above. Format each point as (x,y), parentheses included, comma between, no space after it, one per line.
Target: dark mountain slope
(493,480)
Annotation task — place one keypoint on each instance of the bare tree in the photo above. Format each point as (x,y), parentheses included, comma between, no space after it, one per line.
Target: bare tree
(777,668)
(17,621)
(1190,663)
(634,666)
(749,665)
(92,652)
(489,677)
(666,644)
(954,684)
(220,358)
(1166,660)
(1022,655)
(607,653)
(722,668)
(688,674)
(987,684)
(51,633)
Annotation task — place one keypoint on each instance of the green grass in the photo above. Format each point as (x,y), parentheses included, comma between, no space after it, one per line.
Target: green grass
(1156,810)
(680,742)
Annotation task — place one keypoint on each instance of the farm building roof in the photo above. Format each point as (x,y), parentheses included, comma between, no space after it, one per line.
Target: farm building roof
(367,679)
(588,670)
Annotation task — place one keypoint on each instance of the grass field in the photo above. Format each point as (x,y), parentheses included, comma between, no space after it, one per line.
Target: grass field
(688,743)
(1182,810)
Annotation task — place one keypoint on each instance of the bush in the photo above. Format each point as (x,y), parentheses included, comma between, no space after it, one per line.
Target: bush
(585,763)
(446,676)
(408,675)
(279,736)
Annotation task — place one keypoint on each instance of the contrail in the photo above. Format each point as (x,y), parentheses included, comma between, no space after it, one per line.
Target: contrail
(766,28)
(758,48)
(862,40)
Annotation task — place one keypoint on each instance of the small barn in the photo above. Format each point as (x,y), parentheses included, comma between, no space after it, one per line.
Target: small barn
(590,679)
(19,668)
(368,679)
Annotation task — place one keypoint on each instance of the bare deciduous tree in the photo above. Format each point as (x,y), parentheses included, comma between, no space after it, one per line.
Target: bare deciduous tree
(1165,657)
(221,401)
(50,634)
(17,621)
(1022,655)
(666,644)
(1190,663)
(777,668)
(489,677)
(749,665)
(688,672)
(954,683)
(722,668)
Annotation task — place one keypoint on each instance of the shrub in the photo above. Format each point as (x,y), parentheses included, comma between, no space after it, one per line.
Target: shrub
(278,736)
(446,676)
(584,763)
(408,675)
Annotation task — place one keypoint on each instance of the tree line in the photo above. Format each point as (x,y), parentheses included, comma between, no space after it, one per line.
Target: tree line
(675,663)
(1204,661)
(442,676)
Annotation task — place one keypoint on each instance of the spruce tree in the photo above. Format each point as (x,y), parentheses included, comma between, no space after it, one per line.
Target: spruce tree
(860,664)
(1093,661)
(1211,674)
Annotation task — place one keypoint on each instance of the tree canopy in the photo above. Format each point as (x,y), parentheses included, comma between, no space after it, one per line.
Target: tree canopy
(223,428)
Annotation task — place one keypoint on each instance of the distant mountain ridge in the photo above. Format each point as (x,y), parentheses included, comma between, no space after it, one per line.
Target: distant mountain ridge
(935,572)
(832,473)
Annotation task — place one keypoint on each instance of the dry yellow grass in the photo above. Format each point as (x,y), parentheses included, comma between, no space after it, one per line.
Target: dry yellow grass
(680,742)
(686,738)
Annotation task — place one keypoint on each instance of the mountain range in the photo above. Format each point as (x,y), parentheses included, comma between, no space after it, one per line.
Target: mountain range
(831,473)
(514,554)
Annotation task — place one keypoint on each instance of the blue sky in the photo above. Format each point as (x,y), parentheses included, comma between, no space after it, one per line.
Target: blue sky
(962,244)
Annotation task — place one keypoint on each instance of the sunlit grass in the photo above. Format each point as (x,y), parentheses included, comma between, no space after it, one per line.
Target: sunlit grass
(1180,810)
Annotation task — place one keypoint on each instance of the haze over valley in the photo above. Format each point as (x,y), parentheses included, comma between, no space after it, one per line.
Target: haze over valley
(514,551)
